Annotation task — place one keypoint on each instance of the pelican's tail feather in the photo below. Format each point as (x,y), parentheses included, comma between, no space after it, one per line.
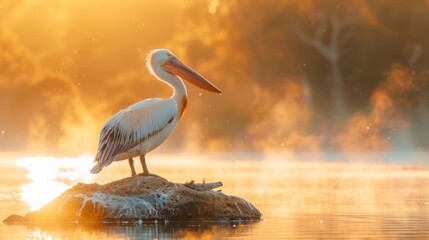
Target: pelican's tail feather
(97,168)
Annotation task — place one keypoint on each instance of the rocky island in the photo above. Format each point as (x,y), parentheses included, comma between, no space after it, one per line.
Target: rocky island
(141,199)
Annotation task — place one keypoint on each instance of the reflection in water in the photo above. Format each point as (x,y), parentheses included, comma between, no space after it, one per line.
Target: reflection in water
(51,176)
(297,199)
(292,226)
(190,230)
(39,234)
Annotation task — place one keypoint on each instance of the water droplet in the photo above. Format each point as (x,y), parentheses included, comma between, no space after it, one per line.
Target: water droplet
(321,221)
(200,94)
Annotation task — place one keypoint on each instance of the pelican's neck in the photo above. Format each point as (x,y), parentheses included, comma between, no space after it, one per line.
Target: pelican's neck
(180,94)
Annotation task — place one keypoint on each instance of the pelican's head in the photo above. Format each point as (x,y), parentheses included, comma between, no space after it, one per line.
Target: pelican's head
(168,62)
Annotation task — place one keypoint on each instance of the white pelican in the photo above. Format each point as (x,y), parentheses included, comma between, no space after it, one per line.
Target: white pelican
(143,126)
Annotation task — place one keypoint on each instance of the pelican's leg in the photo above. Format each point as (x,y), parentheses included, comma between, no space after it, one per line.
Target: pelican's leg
(133,170)
(145,170)
(143,162)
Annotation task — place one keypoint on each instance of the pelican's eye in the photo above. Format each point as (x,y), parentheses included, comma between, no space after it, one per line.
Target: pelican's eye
(169,55)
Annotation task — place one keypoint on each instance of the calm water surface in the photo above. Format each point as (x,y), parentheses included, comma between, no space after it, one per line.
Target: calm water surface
(308,199)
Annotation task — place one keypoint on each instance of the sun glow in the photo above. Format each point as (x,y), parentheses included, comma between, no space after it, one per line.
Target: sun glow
(51,176)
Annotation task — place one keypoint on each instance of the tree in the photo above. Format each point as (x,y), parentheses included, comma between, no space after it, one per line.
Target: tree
(332,49)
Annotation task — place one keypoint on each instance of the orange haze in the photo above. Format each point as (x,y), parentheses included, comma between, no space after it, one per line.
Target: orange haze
(297,76)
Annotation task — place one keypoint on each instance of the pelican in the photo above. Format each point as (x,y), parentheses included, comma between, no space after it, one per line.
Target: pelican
(145,125)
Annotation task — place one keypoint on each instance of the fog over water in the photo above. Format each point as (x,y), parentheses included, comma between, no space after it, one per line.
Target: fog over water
(322,123)
(297,77)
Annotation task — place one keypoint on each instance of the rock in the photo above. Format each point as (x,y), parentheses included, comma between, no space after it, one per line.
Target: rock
(142,198)
(14,218)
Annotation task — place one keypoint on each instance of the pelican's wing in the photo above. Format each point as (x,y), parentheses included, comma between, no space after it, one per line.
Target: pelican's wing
(131,126)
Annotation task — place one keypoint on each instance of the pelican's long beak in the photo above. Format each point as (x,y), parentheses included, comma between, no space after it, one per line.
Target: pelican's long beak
(174,66)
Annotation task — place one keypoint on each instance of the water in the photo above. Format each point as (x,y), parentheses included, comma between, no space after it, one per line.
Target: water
(307,199)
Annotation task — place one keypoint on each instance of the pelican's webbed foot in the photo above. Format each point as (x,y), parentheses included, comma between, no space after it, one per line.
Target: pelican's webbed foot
(143,174)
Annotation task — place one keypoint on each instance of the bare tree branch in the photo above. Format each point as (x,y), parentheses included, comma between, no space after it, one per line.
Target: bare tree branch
(315,42)
(332,50)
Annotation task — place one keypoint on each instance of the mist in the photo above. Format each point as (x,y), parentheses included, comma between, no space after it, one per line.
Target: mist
(296,76)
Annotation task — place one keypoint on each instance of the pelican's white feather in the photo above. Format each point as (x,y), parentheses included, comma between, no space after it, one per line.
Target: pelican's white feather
(142,127)
(131,126)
